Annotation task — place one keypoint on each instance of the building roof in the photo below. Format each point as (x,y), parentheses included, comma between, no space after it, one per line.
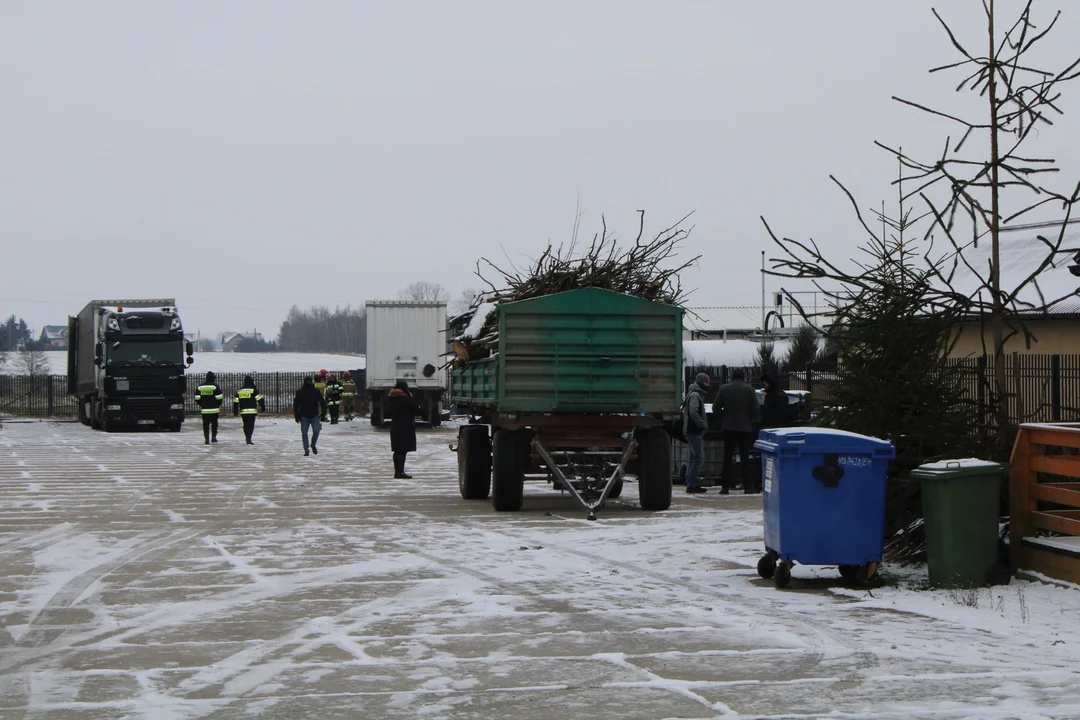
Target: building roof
(54,332)
(1022,252)
(741,319)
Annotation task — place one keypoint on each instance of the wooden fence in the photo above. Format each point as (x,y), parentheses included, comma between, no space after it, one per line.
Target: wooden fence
(46,395)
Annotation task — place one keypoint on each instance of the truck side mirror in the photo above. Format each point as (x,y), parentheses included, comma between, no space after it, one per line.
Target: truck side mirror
(190,361)
(190,349)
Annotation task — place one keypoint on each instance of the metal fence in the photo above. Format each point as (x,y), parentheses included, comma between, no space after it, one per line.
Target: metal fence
(46,395)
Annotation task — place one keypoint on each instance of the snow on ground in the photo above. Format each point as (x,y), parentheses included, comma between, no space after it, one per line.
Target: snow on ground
(150,576)
(228,362)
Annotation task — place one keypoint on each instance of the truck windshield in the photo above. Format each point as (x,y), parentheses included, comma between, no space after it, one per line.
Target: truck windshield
(144,353)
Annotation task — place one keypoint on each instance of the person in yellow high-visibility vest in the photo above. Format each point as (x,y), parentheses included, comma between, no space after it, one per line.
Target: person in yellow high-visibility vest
(248,403)
(348,395)
(320,385)
(208,397)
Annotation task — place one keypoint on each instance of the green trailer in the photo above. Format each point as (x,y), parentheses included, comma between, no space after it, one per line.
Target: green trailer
(579,386)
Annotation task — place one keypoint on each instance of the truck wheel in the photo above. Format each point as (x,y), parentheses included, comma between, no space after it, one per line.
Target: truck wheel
(84,417)
(434,417)
(474,462)
(507,471)
(376,413)
(95,414)
(654,469)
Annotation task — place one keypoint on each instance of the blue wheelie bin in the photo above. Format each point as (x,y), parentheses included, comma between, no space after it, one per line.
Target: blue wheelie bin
(824,498)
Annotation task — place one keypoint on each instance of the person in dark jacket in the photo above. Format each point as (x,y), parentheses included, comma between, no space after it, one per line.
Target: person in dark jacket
(737,407)
(694,426)
(308,406)
(333,398)
(774,411)
(247,404)
(209,396)
(402,426)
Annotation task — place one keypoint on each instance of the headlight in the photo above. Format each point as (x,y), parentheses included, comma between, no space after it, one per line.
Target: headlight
(113,324)
(112,407)
(177,406)
(175,324)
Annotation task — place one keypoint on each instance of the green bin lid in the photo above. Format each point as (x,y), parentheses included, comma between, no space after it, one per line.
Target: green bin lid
(965,467)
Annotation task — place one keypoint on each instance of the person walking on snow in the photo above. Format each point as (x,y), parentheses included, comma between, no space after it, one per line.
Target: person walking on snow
(308,405)
(402,426)
(247,404)
(694,426)
(333,398)
(737,405)
(208,396)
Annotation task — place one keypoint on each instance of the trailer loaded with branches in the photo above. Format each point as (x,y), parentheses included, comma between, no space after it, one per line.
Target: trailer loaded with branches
(569,375)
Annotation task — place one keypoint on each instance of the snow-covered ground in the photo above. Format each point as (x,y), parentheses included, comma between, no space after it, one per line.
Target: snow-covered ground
(229,362)
(150,576)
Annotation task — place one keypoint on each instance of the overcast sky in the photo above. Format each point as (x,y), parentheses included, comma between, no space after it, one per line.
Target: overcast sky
(249,155)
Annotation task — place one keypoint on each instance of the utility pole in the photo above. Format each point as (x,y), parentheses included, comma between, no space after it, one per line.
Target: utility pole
(763,316)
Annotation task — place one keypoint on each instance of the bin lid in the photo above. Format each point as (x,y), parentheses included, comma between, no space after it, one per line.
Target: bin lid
(963,467)
(818,440)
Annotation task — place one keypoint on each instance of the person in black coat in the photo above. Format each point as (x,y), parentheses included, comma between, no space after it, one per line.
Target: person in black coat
(308,405)
(402,426)
(774,412)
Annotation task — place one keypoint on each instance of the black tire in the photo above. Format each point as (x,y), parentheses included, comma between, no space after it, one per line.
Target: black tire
(849,572)
(654,468)
(616,489)
(507,471)
(175,427)
(95,415)
(766,566)
(376,413)
(84,418)
(474,462)
(782,578)
(434,417)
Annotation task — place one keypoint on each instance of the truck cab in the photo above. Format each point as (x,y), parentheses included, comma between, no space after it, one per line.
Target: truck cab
(126,364)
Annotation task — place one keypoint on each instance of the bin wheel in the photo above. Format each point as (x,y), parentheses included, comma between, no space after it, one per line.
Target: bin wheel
(866,572)
(782,578)
(849,572)
(766,566)
(616,489)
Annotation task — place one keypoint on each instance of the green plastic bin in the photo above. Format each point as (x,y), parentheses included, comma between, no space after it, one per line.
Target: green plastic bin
(961,507)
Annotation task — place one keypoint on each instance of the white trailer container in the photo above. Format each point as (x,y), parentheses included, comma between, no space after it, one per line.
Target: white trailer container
(406,341)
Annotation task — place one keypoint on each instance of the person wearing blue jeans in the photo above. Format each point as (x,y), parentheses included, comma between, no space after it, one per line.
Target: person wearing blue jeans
(694,425)
(308,406)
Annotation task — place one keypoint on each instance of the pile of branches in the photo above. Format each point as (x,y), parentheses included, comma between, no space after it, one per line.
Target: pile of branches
(644,269)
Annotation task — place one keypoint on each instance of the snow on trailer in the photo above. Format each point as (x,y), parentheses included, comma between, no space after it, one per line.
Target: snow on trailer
(576,385)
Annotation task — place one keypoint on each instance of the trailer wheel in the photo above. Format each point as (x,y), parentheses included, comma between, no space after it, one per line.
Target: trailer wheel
(376,413)
(474,462)
(434,418)
(654,469)
(507,471)
(84,417)
(616,489)
(95,414)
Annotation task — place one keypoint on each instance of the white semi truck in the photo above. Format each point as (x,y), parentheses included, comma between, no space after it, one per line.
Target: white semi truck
(406,340)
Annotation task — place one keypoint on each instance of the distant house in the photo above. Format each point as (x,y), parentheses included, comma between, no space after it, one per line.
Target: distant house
(230,340)
(54,336)
(1057,330)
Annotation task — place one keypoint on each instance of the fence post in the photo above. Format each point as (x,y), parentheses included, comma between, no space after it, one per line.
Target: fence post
(810,380)
(1055,388)
(277,393)
(51,406)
